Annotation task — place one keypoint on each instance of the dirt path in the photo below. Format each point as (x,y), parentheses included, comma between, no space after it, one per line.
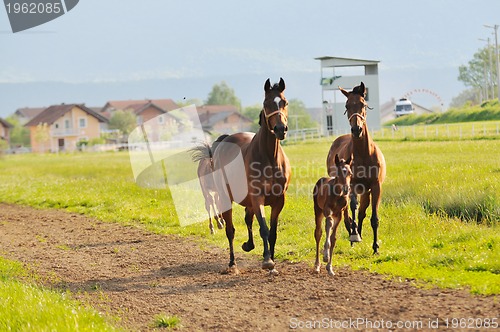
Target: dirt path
(135,275)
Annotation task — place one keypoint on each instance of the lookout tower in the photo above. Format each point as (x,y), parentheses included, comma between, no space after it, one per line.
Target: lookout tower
(347,73)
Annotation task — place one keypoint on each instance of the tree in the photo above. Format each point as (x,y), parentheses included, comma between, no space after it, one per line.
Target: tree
(480,73)
(42,135)
(124,121)
(298,118)
(19,135)
(222,94)
(253,112)
(466,96)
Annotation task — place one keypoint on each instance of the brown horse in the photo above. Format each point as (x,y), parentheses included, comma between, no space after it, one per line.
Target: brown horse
(203,154)
(330,202)
(368,165)
(267,174)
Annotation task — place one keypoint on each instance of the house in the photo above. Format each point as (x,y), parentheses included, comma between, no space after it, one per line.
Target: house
(223,119)
(144,109)
(25,114)
(5,131)
(61,127)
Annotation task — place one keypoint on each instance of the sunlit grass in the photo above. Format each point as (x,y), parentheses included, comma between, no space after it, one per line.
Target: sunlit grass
(24,306)
(438,220)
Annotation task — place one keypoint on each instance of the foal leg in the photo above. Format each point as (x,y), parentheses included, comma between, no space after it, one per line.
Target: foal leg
(328,232)
(318,214)
(333,241)
(249,245)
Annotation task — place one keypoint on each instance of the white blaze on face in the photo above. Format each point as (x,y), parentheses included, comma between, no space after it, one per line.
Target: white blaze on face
(277,101)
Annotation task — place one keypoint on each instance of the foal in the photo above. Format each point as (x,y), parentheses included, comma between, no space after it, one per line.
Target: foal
(330,201)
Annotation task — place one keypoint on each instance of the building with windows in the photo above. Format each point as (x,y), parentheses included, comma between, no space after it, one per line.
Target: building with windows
(347,73)
(61,127)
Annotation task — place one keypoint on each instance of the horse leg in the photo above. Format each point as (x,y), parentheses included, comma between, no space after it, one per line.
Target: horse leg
(218,214)
(333,241)
(353,232)
(208,204)
(376,197)
(258,208)
(228,217)
(363,205)
(249,245)
(328,243)
(275,212)
(318,214)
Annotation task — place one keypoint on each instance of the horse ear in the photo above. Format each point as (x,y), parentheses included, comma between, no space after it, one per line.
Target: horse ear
(337,161)
(362,89)
(267,85)
(281,85)
(348,161)
(344,92)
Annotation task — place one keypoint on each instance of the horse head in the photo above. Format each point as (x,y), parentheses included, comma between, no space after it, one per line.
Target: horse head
(355,108)
(344,174)
(275,111)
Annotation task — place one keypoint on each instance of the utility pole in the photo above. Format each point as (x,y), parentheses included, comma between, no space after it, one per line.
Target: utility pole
(495,27)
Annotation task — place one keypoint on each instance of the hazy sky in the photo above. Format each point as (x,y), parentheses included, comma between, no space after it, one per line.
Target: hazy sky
(420,45)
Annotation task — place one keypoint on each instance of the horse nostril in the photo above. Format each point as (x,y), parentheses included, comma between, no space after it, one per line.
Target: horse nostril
(286,128)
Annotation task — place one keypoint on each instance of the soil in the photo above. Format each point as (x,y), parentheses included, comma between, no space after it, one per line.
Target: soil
(134,275)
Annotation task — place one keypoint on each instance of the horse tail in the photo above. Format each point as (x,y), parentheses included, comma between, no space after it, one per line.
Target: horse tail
(204,150)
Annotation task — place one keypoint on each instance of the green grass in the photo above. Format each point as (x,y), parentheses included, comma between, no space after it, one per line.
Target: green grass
(488,111)
(439,219)
(24,306)
(164,321)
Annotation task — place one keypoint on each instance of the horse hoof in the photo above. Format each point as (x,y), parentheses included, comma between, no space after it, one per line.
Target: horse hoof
(273,273)
(317,268)
(220,224)
(231,270)
(268,264)
(247,247)
(331,273)
(355,238)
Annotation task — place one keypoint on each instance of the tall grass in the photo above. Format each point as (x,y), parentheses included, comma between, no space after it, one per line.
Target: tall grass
(439,213)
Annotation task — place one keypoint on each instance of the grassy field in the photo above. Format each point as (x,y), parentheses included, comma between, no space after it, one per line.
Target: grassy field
(439,219)
(26,307)
(487,111)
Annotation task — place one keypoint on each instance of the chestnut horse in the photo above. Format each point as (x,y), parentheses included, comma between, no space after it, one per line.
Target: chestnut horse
(368,165)
(330,202)
(203,154)
(267,174)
